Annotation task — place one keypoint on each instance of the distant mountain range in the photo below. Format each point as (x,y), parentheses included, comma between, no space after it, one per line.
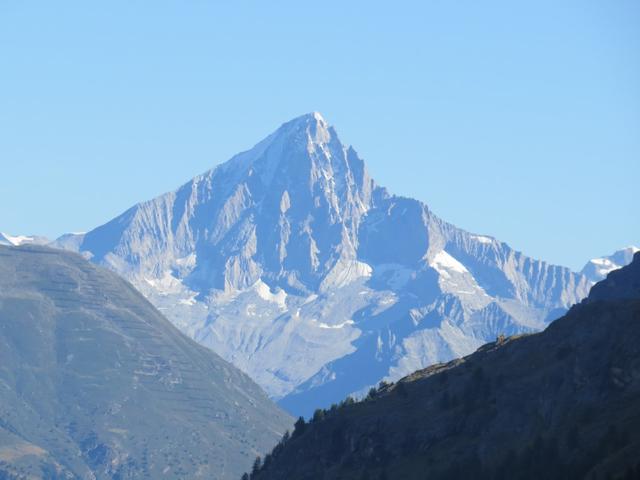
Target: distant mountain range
(96,384)
(562,404)
(11,240)
(598,268)
(290,262)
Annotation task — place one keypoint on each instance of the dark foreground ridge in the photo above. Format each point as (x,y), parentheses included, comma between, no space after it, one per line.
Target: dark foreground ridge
(96,384)
(563,404)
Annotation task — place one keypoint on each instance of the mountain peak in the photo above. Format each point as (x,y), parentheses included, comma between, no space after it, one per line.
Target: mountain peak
(622,283)
(597,269)
(301,147)
(293,241)
(310,117)
(310,129)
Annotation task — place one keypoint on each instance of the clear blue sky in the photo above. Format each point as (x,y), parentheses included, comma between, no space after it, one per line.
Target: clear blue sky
(516,119)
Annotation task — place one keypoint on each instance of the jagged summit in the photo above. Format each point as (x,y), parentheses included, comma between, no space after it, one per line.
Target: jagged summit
(314,117)
(318,116)
(314,127)
(308,128)
(305,149)
(285,210)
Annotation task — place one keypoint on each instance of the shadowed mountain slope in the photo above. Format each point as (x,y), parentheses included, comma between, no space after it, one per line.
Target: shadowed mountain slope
(96,383)
(560,404)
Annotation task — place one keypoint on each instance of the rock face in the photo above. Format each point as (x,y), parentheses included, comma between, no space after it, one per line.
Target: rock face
(598,268)
(292,263)
(96,384)
(561,404)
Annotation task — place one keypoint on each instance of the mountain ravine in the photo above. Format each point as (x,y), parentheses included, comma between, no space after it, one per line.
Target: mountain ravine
(96,384)
(291,263)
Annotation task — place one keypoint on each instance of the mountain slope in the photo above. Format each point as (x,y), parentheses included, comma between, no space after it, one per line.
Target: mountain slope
(560,404)
(598,268)
(96,383)
(290,262)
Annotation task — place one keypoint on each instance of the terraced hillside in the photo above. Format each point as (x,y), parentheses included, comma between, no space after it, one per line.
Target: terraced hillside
(96,383)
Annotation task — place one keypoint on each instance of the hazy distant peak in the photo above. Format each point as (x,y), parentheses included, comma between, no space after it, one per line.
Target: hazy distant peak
(311,118)
(597,269)
(310,129)
(16,240)
(621,283)
(291,144)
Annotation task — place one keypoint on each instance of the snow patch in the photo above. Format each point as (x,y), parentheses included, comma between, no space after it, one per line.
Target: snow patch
(345,272)
(603,261)
(337,325)
(482,238)
(264,291)
(166,284)
(188,301)
(444,263)
(311,298)
(17,239)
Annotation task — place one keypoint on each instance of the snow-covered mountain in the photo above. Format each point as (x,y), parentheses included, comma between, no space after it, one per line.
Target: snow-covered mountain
(17,240)
(598,268)
(292,263)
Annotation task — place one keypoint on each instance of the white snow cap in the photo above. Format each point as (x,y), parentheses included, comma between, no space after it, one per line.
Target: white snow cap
(597,269)
(318,116)
(309,118)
